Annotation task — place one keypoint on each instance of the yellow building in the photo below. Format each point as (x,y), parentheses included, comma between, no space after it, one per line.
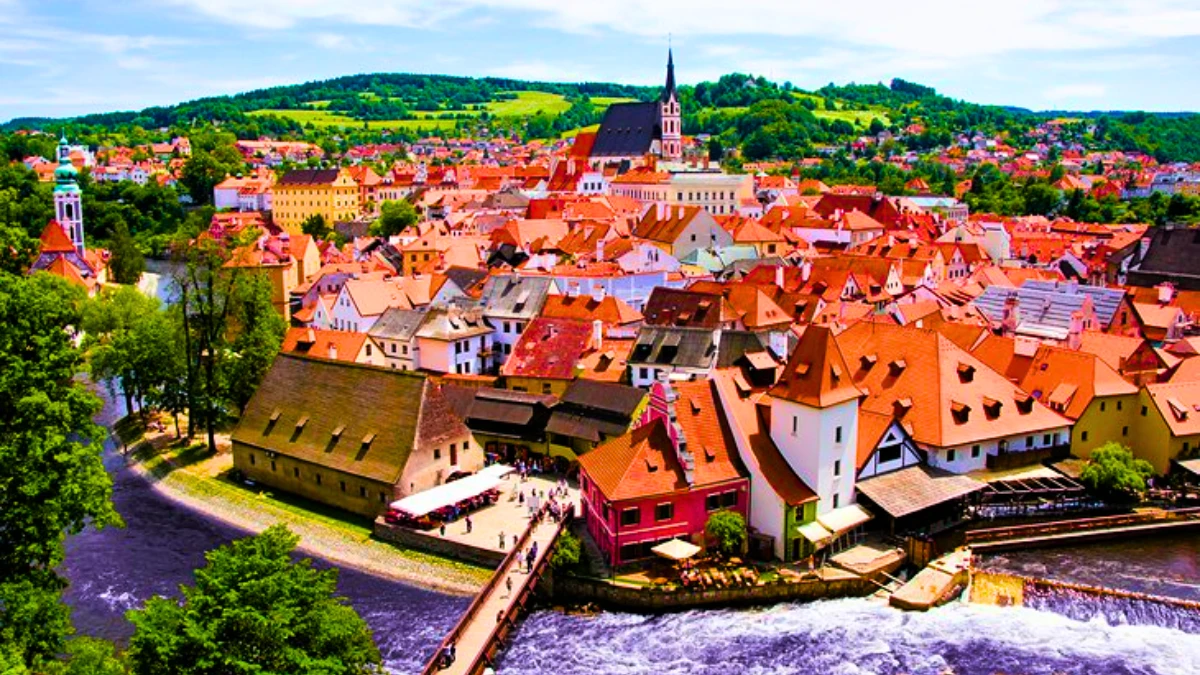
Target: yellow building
(304,193)
(1168,424)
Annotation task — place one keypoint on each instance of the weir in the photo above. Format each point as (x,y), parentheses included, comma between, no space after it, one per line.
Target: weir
(1065,532)
(491,616)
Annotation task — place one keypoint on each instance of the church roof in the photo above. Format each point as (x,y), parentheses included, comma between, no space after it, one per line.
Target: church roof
(55,240)
(628,129)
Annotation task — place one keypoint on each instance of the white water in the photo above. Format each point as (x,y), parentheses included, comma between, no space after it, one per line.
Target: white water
(848,637)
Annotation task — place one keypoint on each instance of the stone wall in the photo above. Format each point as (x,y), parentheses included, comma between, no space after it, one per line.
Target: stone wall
(604,593)
(422,541)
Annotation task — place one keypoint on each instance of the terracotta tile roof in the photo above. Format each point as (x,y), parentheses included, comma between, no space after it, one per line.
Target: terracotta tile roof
(1067,380)
(1179,405)
(611,310)
(637,464)
(608,363)
(667,229)
(816,374)
(745,414)
(55,240)
(708,436)
(871,428)
(324,343)
(549,348)
(62,267)
(953,397)
(373,296)
(691,307)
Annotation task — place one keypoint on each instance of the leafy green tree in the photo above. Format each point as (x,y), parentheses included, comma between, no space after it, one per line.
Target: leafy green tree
(88,656)
(130,342)
(567,552)
(1042,199)
(201,172)
(715,150)
(253,609)
(1113,472)
(316,227)
(260,335)
(17,249)
(127,262)
(394,218)
(727,530)
(53,482)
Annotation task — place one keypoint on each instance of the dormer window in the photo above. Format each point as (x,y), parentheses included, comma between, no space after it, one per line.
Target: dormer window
(897,367)
(868,360)
(802,369)
(960,411)
(991,408)
(966,372)
(1024,403)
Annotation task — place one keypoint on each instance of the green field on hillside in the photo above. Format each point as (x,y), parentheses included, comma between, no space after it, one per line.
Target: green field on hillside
(322,118)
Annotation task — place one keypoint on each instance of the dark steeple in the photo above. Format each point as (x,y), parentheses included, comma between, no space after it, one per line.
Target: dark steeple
(669,91)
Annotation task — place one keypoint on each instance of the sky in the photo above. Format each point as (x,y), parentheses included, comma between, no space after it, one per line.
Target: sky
(67,57)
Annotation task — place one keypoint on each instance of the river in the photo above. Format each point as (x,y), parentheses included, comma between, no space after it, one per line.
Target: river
(116,569)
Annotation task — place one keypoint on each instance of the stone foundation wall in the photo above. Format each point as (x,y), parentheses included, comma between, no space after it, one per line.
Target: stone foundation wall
(433,544)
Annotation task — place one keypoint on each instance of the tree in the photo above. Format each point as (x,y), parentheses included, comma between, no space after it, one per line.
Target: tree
(715,150)
(395,217)
(200,173)
(316,226)
(1042,199)
(52,479)
(567,552)
(127,262)
(17,249)
(260,336)
(89,656)
(727,530)
(253,609)
(1113,472)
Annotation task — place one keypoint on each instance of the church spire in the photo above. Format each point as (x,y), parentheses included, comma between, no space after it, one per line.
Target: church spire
(669,90)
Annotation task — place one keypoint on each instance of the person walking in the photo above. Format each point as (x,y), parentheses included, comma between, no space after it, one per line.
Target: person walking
(502,541)
(468,524)
(508,584)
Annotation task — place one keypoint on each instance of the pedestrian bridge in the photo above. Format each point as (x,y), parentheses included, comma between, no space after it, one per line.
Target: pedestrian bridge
(492,615)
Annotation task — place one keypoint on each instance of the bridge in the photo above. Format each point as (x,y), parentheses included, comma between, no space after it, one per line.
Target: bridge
(493,613)
(1063,532)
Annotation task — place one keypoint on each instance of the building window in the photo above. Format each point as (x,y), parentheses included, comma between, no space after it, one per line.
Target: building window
(437,453)
(664,512)
(1124,431)
(1083,436)
(795,424)
(712,502)
(950,455)
(729,499)
(318,479)
(1029,442)
(362,491)
(296,472)
(272,465)
(837,468)
(252,459)
(1102,405)
(1118,405)
(545,387)
(1144,411)
(1046,439)
(631,517)
(643,373)
(836,499)
(975,450)
(606,511)
(343,485)
(382,498)
(889,454)
(837,435)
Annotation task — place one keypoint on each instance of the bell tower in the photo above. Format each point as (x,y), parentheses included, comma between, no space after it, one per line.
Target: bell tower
(669,115)
(68,204)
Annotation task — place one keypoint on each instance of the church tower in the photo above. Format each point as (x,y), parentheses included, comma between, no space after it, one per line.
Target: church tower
(68,205)
(669,116)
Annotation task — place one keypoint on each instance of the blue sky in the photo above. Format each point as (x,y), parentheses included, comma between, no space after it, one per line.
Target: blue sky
(63,57)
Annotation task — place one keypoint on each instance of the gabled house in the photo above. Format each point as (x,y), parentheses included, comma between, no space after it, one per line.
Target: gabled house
(305,431)
(673,353)
(509,303)
(545,359)
(679,230)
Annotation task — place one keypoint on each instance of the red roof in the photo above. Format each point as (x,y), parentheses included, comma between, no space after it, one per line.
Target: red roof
(55,240)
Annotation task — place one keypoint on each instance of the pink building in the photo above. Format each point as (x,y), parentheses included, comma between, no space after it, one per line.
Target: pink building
(665,478)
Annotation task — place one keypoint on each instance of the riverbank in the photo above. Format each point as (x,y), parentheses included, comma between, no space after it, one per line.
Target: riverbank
(194,480)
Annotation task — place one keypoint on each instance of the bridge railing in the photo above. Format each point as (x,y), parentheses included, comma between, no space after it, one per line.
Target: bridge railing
(433,665)
(1074,525)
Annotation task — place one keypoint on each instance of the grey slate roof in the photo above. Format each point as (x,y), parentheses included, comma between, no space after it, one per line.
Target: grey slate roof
(627,130)
(397,324)
(514,297)
(452,324)
(1104,300)
(1173,255)
(737,343)
(465,277)
(675,346)
(1037,310)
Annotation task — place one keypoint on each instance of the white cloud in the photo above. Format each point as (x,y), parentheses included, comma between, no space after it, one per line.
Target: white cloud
(939,29)
(330,40)
(1070,92)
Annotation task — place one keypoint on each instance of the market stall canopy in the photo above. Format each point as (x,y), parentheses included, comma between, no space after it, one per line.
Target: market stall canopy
(676,549)
(844,519)
(449,494)
(816,534)
(916,488)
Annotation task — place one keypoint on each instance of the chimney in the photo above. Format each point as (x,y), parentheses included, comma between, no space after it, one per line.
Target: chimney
(1011,316)
(1075,335)
(597,291)
(599,249)
(1166,293)
(597,334)
(779,276)
(332,352)
(310,336)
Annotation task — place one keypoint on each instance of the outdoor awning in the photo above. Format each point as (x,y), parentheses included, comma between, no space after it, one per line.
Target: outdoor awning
(813,532)
(844,519)
(450,494)
(1190,465)
(676,549)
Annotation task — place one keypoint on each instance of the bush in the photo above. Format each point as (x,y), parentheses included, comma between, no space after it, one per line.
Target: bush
(726,530)
(1114,474)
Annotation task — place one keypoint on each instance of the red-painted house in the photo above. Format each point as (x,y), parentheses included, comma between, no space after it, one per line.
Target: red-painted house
(665,478)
